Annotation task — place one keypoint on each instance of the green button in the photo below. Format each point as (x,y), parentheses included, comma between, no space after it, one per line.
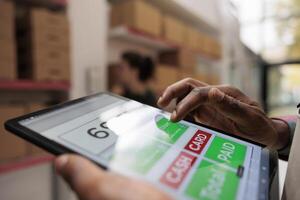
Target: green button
(212,182)
(171,131)
(226,151)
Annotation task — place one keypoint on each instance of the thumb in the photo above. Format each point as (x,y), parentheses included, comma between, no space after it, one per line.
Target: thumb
(90,182)
(82,175)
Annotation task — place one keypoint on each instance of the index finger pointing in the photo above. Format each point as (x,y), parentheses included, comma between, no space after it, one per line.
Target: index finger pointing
(178,90)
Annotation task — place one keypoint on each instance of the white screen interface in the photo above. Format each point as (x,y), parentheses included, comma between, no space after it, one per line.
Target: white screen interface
(183,159)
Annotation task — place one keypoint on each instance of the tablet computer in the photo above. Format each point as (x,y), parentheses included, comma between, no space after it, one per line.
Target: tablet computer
(186,160)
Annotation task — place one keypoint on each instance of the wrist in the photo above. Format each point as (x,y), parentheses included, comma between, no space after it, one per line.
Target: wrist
(283,132)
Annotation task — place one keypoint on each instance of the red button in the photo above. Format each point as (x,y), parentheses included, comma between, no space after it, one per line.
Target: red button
(198,142)
(178,170)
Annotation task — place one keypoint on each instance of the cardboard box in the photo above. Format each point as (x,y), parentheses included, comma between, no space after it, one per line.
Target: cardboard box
(49,30)
(49,34)
(46,65)
(44,18)
(52,73)
(8,67)
(165,75)
(214,79)
(209,45)
(33,150)
(200,77)
(11,146)
(8,70)
(197,76)
(7,29)
(7,41)
(7,22)
(46,71)
(203,43)
(137,14)
(117,13)
(44,46)
(212,47)
(191,36)
(49,38)
(173,30)
(6,9)
(183,58)
(50,55)
(51,65)
(216,49)
(7,50)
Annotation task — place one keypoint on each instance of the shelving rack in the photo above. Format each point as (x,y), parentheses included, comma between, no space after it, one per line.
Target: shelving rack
(22,91)
(135,36)
(34,86)
(123,37)
(176,8)
(24,163)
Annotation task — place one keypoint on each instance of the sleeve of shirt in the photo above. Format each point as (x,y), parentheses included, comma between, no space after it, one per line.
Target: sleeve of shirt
(291,122)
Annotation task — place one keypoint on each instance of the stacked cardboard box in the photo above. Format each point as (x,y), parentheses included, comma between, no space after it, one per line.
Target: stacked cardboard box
(203,43)
(198,76)
(212,47)
(173,30)
(214,80)
(7,41)
(137,14)
(199,41)
(216,49)
(44,49)
(191,37)
(11,147)
(165,75)
(184,59)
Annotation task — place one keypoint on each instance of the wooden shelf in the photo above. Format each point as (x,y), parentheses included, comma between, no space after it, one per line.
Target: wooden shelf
(53,4)
(24,163)
(32,85)
(138,37)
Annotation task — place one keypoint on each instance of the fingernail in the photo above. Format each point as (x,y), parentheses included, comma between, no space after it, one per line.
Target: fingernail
(159,99)
(159,102)
(61,162)
(173,116)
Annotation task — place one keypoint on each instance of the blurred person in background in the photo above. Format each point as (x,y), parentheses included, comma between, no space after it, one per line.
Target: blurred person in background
(135,73)
(223,107)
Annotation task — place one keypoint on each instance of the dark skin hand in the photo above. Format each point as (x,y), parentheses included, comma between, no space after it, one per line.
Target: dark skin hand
(223,107)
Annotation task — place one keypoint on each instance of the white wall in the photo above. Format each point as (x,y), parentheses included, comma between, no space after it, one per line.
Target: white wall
(89,27)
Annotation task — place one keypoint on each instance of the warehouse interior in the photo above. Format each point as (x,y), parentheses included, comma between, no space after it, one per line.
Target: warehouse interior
(52,51)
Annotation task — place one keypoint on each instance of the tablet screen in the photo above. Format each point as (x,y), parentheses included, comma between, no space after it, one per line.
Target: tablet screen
(186,160)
